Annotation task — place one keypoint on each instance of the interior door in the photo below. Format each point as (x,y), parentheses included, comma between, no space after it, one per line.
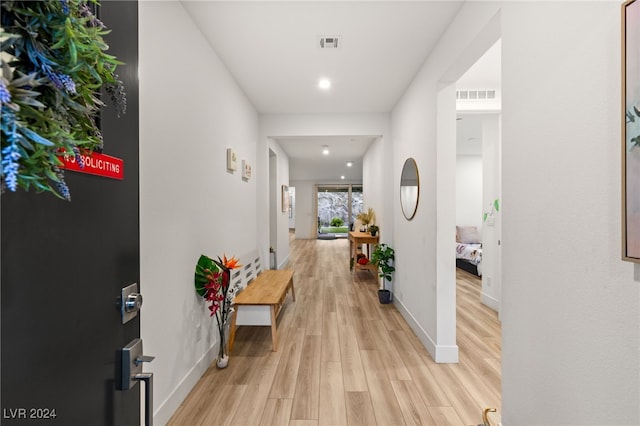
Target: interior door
(63,265)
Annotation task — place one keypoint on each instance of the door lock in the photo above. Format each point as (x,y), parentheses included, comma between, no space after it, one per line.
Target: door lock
(130,302)
(133,302)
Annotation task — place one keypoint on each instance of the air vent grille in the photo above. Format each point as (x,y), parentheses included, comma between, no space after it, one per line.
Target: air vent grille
(475,95)
(329,42)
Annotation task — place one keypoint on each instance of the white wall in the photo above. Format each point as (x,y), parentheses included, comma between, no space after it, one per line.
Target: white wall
(571,317)
(469,190)
(491,229)
(570,306)
(189,203)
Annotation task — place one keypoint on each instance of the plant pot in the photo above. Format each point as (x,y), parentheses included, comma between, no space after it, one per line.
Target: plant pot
(374,233)
(384,296)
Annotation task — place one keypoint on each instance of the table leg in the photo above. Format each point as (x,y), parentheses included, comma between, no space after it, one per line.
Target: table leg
(232,334)
(293,293)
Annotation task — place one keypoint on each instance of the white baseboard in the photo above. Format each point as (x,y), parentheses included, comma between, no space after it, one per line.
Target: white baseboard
(491,302)
(164,412)
(442,354)
(283,263)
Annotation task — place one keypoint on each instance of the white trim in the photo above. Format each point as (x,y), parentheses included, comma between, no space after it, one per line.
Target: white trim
(443,354)
(170,405)
(491,302)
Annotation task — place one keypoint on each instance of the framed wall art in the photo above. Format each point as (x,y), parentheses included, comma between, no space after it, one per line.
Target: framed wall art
(631,131)
(232,160)
(246,170)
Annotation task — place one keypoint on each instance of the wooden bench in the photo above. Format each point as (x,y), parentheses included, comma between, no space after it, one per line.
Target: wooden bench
(260,302)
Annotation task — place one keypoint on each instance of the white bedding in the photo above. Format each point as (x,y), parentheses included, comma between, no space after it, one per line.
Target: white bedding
(472,253)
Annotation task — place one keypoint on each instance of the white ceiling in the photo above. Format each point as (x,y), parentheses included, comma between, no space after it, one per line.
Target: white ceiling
(272,50)
(306,161)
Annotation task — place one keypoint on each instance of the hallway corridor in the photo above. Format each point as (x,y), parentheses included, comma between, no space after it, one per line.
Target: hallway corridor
(345,359)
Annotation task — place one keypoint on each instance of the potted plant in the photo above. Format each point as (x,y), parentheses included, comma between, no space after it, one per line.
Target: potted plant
(366,217)
(383,257)
(373,229)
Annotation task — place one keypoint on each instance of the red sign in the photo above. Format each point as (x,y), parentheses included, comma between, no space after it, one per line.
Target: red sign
(95,164)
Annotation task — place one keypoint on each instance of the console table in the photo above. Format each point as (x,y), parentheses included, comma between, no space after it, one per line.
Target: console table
(356,238)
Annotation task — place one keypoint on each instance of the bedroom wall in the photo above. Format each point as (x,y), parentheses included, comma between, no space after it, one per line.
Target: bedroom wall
(469,190)
(491,294)
(189,203)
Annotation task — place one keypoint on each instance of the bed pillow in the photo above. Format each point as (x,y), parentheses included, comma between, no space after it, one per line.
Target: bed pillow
(467,235)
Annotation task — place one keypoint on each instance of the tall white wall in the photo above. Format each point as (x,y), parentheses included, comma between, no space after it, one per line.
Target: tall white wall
(189,203)
(570,306)
(492,227)
(469,191)
(571,316)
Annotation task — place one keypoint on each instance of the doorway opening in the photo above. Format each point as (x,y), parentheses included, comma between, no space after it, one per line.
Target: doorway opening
(337,207)
(478,174)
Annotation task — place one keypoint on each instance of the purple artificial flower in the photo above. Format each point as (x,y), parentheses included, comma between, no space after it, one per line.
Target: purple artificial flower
(79,160)
(61,81)
(5,95)
(10,157)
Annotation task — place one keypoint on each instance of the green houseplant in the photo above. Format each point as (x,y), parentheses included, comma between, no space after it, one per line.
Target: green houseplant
(373,229)
(383,257)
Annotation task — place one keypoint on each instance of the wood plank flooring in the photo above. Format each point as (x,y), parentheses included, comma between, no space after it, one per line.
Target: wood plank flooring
(345,359)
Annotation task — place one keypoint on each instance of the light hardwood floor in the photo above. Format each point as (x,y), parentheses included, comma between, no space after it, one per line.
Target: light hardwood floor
(345,359)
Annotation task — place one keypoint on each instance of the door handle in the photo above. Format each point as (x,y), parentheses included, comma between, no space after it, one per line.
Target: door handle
(131,373)
(148,396)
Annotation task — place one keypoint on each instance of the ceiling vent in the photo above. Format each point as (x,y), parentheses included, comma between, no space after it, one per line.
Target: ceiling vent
(475,95)
(329,42)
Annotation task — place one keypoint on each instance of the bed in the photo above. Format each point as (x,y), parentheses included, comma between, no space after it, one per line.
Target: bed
(469,249)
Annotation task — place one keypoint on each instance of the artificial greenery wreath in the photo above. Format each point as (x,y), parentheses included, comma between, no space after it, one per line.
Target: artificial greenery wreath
(54,63)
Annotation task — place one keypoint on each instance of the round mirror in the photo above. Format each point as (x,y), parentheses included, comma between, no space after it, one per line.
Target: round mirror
(409,188)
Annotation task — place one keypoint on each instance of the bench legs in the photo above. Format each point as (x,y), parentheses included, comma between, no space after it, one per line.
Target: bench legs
(274,331)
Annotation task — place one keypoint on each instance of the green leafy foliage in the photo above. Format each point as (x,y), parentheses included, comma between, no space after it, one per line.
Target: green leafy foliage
(336,221)
(383,257)
(54,64)
(204,268)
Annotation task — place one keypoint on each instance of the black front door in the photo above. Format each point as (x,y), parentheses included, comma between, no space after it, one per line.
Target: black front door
(63,265)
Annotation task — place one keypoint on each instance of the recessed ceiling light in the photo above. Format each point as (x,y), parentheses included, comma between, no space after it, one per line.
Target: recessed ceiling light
(324,84)
(342,177)
(325,149)
(349,164)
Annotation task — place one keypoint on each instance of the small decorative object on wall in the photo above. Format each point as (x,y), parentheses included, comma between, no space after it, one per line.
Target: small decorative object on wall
(285,198)
(212,281)
(54,63)
(631,131)
(232,160)
(495,207)
(246,170)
